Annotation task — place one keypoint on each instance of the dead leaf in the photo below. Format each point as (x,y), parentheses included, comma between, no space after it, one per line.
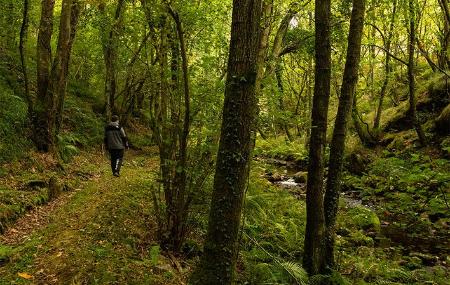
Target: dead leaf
(25,275)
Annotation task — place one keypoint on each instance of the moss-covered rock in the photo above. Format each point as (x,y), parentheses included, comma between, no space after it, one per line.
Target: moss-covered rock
(365,219)
(301,177)
(442,123)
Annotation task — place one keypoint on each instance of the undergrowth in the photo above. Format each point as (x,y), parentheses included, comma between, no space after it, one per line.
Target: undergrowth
(280,148)
(13,125)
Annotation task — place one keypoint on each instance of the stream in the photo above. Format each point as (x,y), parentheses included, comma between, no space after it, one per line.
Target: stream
(285,174)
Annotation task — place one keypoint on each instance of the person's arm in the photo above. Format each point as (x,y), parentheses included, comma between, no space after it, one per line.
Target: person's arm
(124,138)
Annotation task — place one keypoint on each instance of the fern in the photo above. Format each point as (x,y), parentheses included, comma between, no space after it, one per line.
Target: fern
(295,271)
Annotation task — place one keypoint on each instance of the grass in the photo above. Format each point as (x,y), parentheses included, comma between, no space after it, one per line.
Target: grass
(96,238)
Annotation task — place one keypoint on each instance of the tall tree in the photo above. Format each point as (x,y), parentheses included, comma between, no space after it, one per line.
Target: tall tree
(387,65)
(444,56)
(52,75)
(411,80)
(348,87)
(218,262)
(110,47)
(70,13)
(42,117)
(23,60)
(315,227)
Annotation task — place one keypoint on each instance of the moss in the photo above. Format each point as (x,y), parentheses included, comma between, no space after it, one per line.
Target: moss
(365,219)
(5,252)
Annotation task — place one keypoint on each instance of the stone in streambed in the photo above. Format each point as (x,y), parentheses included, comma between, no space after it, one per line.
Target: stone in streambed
(301,177)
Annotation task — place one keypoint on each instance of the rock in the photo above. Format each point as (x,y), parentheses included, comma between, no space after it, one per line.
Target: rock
(343,232)
(34,184)
(357,163)
(442,123)
(365,219)
(301,164)
(412,263)
(54,188)
(300,177)
(276,177)
(427,259)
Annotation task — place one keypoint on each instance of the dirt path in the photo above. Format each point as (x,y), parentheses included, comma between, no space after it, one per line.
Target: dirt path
(102,233)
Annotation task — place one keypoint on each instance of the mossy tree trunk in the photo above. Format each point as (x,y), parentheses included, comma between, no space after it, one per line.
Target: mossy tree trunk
(217,265)
(313,260)
(52,75)
(70,13)
(42,116)
(350,80)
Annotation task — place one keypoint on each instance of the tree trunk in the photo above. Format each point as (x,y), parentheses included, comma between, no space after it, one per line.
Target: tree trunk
(443,56)
(350,80)
(387,67)
(42,118)
(179,214)
(218,262)
(67,30)
(411,80)
(110,57)
(22,42)
(315,228)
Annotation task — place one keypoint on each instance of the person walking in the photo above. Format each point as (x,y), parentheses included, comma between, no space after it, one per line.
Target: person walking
(115,141)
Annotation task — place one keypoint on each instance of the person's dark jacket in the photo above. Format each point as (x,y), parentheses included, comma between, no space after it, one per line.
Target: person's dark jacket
(115,137)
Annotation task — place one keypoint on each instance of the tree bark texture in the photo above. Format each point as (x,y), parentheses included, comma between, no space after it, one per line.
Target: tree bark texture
(42,117)
(218,262)
(60,71)
(348,87)
(315,227)
(52,80)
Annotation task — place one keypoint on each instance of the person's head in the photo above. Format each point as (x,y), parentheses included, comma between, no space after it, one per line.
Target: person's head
(114,118)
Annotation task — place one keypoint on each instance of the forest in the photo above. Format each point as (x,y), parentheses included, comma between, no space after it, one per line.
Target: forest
(258,142)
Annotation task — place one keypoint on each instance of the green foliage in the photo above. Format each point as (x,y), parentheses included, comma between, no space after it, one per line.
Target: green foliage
(154,254)
(86,127)
(13,125)
(280,148)
(67,146)
(274,228)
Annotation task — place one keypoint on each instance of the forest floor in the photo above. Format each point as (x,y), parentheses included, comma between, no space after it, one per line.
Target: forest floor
(103,231)
(91,235)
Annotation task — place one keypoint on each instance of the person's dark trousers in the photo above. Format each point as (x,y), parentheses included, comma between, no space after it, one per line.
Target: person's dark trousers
(116,160)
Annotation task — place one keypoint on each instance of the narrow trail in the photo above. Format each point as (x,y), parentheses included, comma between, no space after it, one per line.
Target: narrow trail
(101,233)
